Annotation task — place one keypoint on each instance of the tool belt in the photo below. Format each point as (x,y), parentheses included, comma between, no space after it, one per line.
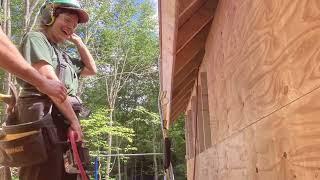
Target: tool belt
(78,107)
(24,144)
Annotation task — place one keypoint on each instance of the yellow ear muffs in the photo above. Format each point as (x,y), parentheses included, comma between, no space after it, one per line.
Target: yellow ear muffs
(47,13)
(52,21)
(51,8)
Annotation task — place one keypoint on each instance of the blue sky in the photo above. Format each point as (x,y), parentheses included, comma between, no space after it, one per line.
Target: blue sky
(154,2)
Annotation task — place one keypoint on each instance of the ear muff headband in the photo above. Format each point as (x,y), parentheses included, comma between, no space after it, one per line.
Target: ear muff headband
(51,8)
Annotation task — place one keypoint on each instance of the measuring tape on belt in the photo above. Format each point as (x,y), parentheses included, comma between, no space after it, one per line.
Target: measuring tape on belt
(72,138)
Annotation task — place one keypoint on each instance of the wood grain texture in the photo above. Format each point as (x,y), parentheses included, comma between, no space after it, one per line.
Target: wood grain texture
(194,22)
(197,129)
(181,107)
(205,109)
(261,56)
(193,26)
(193,7)
(201,128)
(190,65)
(168,34)
(282,146)
(185,5)
(262,59)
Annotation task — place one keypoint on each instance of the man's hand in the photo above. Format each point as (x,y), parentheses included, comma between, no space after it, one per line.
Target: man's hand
(75,39)
(54,89)
(75,126)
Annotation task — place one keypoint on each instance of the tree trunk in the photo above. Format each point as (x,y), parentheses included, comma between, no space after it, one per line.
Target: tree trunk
(141,171)
(6,26)
(119,163)
(125,172)
(28,11)
(8,20)
(8,32)
(135,169)
(155,164)
(109,150)
(117,82)
(5,8)
(131,172)
(119,169)
(26,15)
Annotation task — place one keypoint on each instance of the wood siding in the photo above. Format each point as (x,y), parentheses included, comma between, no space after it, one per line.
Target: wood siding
(262,60)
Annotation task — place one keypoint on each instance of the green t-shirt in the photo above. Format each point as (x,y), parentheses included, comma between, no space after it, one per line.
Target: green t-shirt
(36,47)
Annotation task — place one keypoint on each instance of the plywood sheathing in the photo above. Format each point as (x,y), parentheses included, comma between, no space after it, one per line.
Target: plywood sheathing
(261,55)
(262,59)
(284,145)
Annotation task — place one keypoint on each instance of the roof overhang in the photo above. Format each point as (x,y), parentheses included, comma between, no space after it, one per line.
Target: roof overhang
(184,26)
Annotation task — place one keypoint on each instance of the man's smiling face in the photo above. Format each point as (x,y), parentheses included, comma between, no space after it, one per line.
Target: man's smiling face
(63,27)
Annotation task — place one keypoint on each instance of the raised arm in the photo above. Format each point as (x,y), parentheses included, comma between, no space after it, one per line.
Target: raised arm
(90,68)
(13,62)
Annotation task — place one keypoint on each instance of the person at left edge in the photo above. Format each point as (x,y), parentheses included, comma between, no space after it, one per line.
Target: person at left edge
(13,62)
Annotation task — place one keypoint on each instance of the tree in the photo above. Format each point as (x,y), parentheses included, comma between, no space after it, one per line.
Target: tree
(96,131)
(178,146)
(31,13)
(6,27)
(125,47)
(152,120)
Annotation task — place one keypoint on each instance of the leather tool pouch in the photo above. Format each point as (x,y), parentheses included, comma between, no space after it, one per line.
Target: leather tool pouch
(28,133)
(76,103)
(78,107)
(24,144)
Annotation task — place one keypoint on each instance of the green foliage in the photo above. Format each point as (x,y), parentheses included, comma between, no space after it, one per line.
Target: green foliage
(125,45)
(147,117)
(124,37)
(178,148)
(96,130)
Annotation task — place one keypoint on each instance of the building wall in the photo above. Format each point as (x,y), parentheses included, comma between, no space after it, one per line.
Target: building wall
(262,66)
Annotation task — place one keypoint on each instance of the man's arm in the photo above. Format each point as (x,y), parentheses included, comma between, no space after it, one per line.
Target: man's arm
(65,108)
(12,61)
(90,68)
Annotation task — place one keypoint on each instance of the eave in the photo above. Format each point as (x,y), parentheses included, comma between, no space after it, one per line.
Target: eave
(184,27)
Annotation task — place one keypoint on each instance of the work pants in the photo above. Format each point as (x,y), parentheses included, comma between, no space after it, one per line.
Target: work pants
(31,109)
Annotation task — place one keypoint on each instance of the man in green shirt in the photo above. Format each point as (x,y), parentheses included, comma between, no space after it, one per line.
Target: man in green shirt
(36,48)
(59,19)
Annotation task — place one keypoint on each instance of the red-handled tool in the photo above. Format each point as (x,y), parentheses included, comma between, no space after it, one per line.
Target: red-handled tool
(72,138)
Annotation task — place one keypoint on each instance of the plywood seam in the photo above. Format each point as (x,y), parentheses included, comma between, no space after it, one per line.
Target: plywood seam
(265,116)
